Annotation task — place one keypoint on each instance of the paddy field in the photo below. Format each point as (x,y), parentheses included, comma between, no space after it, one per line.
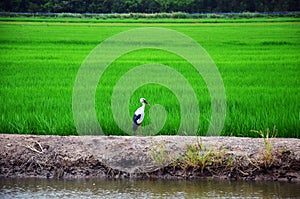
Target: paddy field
(258,60)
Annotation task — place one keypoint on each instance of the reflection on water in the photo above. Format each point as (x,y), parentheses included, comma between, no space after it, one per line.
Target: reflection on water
(93,188)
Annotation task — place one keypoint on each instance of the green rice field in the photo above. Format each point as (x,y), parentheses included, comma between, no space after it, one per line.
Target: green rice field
(259,63)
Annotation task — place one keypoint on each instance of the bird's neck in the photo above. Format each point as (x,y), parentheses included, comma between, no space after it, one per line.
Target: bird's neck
(143,106)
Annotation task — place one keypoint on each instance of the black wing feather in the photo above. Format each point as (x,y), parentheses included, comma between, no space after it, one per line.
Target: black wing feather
(135,124)
(136,117)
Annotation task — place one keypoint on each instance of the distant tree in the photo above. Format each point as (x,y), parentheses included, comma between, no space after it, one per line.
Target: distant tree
(148,6)
(164,5)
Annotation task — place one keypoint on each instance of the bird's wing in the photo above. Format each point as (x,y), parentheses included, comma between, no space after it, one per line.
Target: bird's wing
(139,121)
(136,118)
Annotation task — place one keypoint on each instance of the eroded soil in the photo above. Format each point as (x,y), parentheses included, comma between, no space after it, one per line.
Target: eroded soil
(148,157)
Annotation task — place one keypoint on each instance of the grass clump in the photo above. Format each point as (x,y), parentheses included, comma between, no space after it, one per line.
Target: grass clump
(268,156)
(159,154)
(197,157)
(198,161)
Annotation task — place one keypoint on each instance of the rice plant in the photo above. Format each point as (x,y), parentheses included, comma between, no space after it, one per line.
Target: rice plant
(259,64)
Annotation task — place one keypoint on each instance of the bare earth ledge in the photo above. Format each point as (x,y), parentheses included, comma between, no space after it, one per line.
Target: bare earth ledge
(171,157)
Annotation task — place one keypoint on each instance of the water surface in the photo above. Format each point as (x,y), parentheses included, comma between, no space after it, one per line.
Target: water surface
(99,188)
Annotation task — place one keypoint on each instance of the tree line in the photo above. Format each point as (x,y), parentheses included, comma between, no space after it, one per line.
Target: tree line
(148,6)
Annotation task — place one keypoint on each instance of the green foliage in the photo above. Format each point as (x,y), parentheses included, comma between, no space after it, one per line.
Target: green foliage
(159,154)
(198,157)
(259,64)
(160,17)
(147,6)
(142,18)
(268,154)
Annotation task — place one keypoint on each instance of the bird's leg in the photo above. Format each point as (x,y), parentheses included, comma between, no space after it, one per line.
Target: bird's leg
(141,130)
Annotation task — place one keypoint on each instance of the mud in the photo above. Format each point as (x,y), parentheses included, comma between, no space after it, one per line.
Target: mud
(148,157)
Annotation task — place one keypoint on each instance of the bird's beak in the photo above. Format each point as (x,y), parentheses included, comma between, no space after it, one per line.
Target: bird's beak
(147,103)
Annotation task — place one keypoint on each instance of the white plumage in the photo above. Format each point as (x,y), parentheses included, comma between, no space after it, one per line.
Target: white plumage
(139,115)
(140,111)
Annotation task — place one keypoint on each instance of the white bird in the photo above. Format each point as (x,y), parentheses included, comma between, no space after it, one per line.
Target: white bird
(139,115)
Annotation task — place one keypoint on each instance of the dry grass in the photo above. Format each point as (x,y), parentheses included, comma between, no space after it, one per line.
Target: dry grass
(268,156)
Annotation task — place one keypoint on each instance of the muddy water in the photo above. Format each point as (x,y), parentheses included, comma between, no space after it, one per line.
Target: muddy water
(92,188)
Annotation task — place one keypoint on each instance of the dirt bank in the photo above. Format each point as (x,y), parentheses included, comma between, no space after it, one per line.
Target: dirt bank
(149,157)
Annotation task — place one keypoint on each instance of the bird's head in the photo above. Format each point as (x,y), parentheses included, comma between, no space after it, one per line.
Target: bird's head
(143,100)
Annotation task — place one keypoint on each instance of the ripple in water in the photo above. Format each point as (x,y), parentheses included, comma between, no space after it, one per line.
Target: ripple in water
(99,188)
